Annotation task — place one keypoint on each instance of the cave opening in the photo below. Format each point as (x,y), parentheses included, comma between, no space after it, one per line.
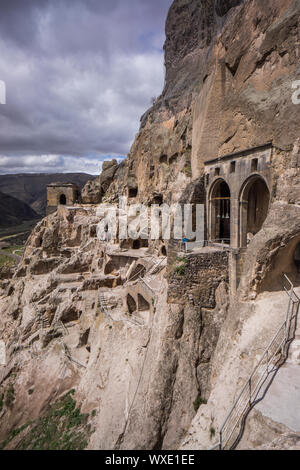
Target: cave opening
(143,305)
(132,192)
(131,304)
(136,244)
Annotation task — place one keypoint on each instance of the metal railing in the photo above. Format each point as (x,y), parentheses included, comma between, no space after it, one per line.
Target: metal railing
(221,242)
(157,262)
(102,304)
(274,355)
(148,287)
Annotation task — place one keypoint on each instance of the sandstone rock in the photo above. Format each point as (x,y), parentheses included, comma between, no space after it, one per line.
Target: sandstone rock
(94,190)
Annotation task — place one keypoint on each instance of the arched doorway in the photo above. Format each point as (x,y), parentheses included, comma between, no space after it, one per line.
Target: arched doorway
(63,199)
(143,305)
(136,244)
(297,257)
(131,304)
(254,206)
(164,250)
(220,212)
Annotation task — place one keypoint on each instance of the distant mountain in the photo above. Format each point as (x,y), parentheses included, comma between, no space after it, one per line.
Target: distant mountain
(14,212)
(31,188)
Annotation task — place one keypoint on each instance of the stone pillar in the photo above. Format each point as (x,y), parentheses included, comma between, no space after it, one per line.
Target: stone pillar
(243,221)
(234,223)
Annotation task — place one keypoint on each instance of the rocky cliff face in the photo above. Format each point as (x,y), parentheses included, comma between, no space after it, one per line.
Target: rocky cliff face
(143,364)
(229,72)
(135,365)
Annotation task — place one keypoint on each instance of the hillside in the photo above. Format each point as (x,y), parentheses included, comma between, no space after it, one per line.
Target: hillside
(31,188)
(14,212)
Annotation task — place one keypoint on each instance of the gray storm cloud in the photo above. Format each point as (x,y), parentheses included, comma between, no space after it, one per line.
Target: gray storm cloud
(79,74)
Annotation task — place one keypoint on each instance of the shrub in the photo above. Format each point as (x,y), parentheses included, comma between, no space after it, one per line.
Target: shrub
(198,402)
(180,270)
(188,170)
(10,396)
(63,427)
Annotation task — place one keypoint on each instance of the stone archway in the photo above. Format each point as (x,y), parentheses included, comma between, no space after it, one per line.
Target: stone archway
(296,257)
(138,271)
(136,244)
(131,304)
(254,206)
(164,250)
(62,199)
(220,212)
(143,305)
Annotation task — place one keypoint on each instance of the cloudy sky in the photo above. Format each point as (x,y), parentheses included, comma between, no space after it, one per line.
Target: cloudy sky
(79,74)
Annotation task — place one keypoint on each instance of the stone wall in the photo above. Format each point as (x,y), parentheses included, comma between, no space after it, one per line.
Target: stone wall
(196,277)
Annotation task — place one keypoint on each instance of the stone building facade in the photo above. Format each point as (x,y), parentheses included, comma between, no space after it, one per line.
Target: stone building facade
(62,194)
(238,193)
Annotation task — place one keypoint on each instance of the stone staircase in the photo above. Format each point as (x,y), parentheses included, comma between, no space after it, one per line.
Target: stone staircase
(158,265)
(283,348)
(103,301)
(89,303)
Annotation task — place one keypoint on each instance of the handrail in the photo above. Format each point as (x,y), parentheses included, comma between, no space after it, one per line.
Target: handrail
(147,285)
(224,242)
(156,265)
(109,317)
(68,354)
(246,398)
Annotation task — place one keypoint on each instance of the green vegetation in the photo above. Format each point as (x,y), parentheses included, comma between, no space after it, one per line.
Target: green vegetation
(12,435)
(212,432)
(62,428)
(10,396)
(8,260)
(1,401)
(181,259)
(15,248)
(198,402)
(188,170)
(180,270)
